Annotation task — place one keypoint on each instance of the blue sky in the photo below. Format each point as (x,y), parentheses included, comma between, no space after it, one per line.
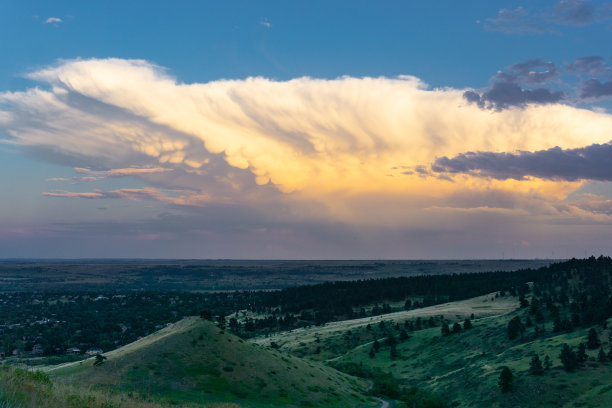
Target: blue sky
(376,129)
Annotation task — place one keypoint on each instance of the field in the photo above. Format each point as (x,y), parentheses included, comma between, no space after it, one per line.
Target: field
(215,275)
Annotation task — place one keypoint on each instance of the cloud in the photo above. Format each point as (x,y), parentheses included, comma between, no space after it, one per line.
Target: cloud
(548,20)
(593,65)
(507,87)
(504,95)
(515,21)
(594,89)
(130,171)
(586,163)
(574,12)
(136,194)
(53,20)
(265,22)
(533,72)
(302,149)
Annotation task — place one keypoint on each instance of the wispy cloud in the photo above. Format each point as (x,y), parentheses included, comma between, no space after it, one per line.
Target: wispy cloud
(566,12)
(265,22)
(53,20)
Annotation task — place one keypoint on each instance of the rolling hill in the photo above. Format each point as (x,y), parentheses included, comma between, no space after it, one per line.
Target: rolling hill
(194,361)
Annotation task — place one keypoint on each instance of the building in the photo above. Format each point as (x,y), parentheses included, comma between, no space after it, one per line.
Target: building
(94,351)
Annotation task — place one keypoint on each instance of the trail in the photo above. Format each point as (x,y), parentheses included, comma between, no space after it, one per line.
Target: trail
(383,403)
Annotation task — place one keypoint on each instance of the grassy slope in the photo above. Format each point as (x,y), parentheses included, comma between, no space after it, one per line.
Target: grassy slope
(465,366)
(333,340)
(194,361)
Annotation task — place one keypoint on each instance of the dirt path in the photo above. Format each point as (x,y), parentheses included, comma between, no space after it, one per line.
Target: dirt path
(481,306)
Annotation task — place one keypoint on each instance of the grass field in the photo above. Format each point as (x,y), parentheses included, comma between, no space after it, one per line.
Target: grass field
(194,361)
(333,340)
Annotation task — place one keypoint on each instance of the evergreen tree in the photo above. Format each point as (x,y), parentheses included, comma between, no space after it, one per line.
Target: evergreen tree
(581,354)
(593,339)
(568,358)
(445,330)
(506,380)
(99,360)
(403,335)
(528,322)
(376,345)
(467,324)
(393,352)
(390,341)
(601,356)
(535,366)
(547,363)
(515,327)
(456,327)
(372,352)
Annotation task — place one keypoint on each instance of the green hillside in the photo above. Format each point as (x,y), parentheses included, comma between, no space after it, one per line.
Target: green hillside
(194,361)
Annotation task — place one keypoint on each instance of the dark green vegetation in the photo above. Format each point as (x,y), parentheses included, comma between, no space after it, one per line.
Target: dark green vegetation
(215,275)
(536,337)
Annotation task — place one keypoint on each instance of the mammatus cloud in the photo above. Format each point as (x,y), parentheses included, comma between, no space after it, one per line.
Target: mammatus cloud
(53,20)
(586,163)
(338,149)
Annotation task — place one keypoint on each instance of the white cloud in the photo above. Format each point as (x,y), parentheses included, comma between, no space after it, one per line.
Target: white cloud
(53,20)
(326,146)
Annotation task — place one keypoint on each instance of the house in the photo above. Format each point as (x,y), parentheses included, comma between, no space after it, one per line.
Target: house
(73,351)
(94,351)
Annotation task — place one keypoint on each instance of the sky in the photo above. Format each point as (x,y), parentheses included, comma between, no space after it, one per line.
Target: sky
(305,130)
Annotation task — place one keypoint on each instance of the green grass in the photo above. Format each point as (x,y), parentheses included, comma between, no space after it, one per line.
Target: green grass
(465,367)
(194,361)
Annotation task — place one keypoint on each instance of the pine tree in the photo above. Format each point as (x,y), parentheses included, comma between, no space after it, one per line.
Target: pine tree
(376,345)
(467,324)
(601,356)
(372,352)
(403,335)
(506,380)
(535,366)
(390,341)
(581,354)
(445,330)
(515,327)
(593,339)
(568,358)
(456,327)
(547,363)
(393,352)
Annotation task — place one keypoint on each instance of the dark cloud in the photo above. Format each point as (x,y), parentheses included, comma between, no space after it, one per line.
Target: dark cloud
(593,65)
(507,86)
(586,163)
(594,89)
(565,12)
(574,12)
(503,95)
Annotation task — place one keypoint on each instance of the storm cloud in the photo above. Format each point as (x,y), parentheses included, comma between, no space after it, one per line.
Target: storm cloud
(587,163)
